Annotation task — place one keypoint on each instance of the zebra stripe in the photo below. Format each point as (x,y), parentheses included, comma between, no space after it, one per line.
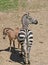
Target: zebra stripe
(22,36)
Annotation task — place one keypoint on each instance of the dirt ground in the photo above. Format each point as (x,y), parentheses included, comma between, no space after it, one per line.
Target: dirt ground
(39,51)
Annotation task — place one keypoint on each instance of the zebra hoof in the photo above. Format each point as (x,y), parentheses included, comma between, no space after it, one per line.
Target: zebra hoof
(28,62)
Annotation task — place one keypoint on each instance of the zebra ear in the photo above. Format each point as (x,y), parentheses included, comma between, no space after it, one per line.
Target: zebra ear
(27,14)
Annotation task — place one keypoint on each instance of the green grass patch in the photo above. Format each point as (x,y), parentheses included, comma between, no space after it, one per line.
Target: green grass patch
(8,4)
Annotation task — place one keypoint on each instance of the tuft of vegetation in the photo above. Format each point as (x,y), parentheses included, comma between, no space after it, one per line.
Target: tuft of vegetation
(8,4)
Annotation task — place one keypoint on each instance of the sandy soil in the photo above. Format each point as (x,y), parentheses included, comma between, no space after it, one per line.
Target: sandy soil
(39,51)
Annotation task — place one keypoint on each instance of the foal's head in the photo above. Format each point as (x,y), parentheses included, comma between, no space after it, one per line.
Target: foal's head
(5,32)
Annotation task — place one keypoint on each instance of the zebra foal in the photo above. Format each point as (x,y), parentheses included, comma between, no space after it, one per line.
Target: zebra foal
(25,36)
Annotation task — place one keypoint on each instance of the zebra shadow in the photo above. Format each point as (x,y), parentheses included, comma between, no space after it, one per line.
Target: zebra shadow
(15,55)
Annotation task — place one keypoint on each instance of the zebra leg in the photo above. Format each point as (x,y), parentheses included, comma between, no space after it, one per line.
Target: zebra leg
(10,45)
(28,58)
(24,58)
(18,45)
(21,54)
(28,54)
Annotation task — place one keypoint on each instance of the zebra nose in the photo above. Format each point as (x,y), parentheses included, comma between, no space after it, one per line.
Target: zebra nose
(36,22)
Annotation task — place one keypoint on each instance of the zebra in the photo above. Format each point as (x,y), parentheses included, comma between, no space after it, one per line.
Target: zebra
(25,36)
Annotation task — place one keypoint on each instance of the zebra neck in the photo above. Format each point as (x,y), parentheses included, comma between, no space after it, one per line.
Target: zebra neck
(25,26)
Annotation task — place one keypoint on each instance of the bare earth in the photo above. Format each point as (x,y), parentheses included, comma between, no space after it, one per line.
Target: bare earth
(39,51)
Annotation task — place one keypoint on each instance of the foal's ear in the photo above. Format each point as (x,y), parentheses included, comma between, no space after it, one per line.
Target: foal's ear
(7,30)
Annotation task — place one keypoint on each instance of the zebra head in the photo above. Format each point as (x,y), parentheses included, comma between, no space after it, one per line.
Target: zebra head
(32,20)
(27,19)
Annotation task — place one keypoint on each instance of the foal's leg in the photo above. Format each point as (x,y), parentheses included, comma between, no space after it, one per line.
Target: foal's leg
(18,45)
(10,45)
(14,44)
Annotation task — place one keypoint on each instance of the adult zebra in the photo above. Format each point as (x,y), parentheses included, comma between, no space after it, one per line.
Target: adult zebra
(25,36)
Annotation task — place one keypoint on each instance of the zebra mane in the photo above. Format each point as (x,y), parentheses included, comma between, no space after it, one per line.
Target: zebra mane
(23,16)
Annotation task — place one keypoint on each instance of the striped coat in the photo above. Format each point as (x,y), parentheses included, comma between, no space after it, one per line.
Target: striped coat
(25,37)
